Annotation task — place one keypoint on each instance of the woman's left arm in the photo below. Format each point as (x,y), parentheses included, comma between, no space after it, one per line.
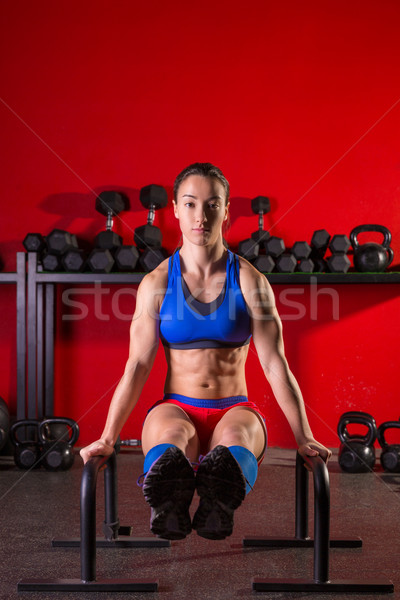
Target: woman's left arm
(268,341)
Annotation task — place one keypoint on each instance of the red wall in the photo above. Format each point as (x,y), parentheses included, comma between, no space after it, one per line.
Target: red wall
(299,101)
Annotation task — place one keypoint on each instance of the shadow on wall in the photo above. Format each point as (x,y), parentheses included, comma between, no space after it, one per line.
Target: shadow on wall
(71,207)
(76,213)
(241,207)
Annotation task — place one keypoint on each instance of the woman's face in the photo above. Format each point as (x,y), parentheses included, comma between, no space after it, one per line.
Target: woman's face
(201,209)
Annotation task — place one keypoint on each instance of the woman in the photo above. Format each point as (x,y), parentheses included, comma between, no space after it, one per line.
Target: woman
(204,303)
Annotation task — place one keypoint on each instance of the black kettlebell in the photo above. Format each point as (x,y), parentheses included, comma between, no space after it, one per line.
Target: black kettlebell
(390,456)
(371,257)
(4,423)
(27,451)
(58,435)
(356,452)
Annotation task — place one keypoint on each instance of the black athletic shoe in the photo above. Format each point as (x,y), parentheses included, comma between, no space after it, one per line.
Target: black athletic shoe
(169,487)
(222,488)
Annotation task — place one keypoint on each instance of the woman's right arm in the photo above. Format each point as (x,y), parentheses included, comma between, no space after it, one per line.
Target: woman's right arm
(144,339)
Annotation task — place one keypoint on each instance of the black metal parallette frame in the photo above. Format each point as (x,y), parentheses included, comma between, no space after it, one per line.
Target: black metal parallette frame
(19,278)
(88,581)
(301,538)
(115,535)
(320,581)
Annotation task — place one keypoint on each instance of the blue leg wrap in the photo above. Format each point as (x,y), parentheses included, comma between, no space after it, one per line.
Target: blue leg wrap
(248,463)
(154,454)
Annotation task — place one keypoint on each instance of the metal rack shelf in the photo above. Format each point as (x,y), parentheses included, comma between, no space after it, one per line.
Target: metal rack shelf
(36,316)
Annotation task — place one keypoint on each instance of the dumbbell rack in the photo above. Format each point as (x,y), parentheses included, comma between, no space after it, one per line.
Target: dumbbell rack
(19,279)
(36,308)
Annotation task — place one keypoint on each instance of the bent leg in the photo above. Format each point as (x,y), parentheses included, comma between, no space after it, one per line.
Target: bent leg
(228,471)
(241,426)
(169,424)
(169,440)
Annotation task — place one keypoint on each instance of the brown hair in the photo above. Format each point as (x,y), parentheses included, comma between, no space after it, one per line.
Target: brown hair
(204,170)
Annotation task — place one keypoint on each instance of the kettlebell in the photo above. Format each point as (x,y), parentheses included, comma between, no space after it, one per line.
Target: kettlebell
(390,456)
(356,452)
(4,423)
(371,257)
(27,452)
(57,436)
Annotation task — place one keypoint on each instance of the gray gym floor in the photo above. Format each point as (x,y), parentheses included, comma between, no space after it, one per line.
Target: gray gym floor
(37,506)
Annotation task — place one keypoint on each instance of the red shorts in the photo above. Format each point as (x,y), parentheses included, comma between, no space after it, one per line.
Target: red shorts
(206,414)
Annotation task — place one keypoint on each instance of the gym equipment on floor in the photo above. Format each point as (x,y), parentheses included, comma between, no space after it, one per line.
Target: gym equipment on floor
(57,448)
(321,581)
(27,451)
(390,455)
(4,423)
(357,452)
(88,581)
(371,257)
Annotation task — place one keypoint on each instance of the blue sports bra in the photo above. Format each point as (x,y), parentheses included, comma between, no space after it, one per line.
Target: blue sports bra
(186,323)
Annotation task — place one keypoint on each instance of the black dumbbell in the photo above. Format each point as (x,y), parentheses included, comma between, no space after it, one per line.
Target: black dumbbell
(339,244)
(27,451)
(305,265)
(4,423)
(249,249)
(320,264)
(339,262)
(390,455)
(100,260)
(57,436)
(129,443)
(260,206)
(320,242)
(74,260)
(357,452)
(319,245)
(153,197)
(58,243)
(126,258)
(34,242)
(302,251)
(286,263)
(264,263)
(151,258)
(109,204)
(274,246)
